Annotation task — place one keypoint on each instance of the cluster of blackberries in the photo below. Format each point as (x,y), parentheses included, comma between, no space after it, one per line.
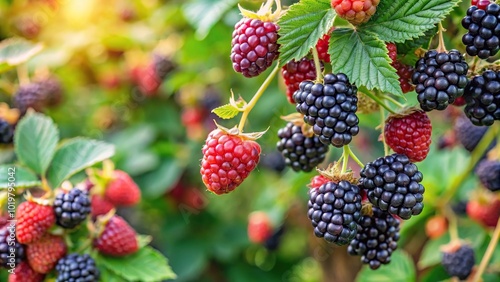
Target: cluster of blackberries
(483,36)
(330,107)
(302,153)
(7,244)
(483,98)
(75,267)
(439,78)
(71,208)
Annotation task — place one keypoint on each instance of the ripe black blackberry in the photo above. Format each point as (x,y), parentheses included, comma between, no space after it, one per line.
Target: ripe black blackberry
(334,210)
(162,65)
(30,96)
(377,238)
(488,172)
(272,243)
(393,185)
(482,38)
(439,78)
(75,267)
(5,249)
(273,160)
(51,89)
(71,208)
(468,134)
(302,153)
(6,132)
(482,96)
(330,107)
(459,263)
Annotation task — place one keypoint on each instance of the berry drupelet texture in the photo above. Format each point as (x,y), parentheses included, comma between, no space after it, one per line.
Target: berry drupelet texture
(71,208)
(322,48)
(75,268)
(481,4)
(393,185)
(6,132)
(459,263)
(8,243)
(482,37)
(301,153)
(117,239)
(482,96)
(355,11)
(294,73)
(33,220)
(488,172)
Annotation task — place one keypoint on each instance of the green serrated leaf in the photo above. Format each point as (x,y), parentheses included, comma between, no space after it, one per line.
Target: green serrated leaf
(302,26)
(400,269)
(35,140)
(364,59)
(76,155)
(15,51)
(21,177)
(143,240)
(398,21)
(227,111)
(409,46)
(205,13)
(147,265)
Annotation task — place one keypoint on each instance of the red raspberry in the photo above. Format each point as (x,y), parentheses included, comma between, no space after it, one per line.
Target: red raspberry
(409,134)
(436,226)
(122,190)
(33,220)
(100,205)
(481,4)
(259,227)
(296,72)
(227,161)
(485,211)
(24,273)
(355,11)
(322,48)
(117,239)
(393,51)
(254,46)
(43,254)
(405,72)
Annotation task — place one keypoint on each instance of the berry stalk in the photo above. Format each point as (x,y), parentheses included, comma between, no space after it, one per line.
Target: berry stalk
(441,46)
(356,159)
(489,252)
(248,107)
(317,65)
(382,118)
(346,154)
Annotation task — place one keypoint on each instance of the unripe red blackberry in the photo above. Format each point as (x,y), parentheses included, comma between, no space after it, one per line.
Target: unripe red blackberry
(295,72)
(481,4)
(393,185)
(334,210)
(355,11)
(482,38)
(302,153)
(322,48)
(377,238)
(482,96)
(330,107)
(440,78)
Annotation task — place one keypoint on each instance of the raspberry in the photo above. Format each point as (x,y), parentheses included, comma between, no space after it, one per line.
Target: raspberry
(392,183)
(317,181)
(322,48)
(296,72)
(33,220)
(468,134)
(405,73)
(409,134)
(11,252)
(302,153)
(162,65)
(330,108)
(254,46)
(482,96)
(100,205)
(485,211)
(459,262)
(43,254)
(6,132)
(71,208)
(334,210)
(488,172)
(24,273)
(75,267)
(117,239)
(274,161)
(366,105)
(259,227)
(481,4)
(355,11)
(392,51)
(227,161)
(193,198)
(377,238)
(440,78)
(30,96)
(481,39)
(122,190)
(436,226)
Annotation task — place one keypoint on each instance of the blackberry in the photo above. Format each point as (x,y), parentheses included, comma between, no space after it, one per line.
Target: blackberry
(274,161)
(71,208)
(330,108)
(459,263)
(51,90)
(460,208)
(7,258)
(272,243)
(6,132)
(482,37)
(377,238)
(302,153)
(482,96)
(75,267)
(334,210)
(162,65)
(488,172)
(468,134)
(30,96)
(393,185)
(439,78)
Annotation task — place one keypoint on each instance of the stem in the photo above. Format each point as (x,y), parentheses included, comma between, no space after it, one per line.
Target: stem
(317,65)
(386,147)
(394,101)
(489,252)
(452,226)
(346,154)
(356,159)
(256,97)
(441,47)
(378,101)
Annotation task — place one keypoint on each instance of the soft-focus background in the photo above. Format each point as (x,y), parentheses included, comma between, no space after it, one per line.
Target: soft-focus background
(106,53)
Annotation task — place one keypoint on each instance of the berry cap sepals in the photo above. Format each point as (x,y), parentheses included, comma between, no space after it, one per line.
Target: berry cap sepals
(298,120)
(46,200)
(234,131)
(100,224)
(334,173)
(265,12)
(402,113)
